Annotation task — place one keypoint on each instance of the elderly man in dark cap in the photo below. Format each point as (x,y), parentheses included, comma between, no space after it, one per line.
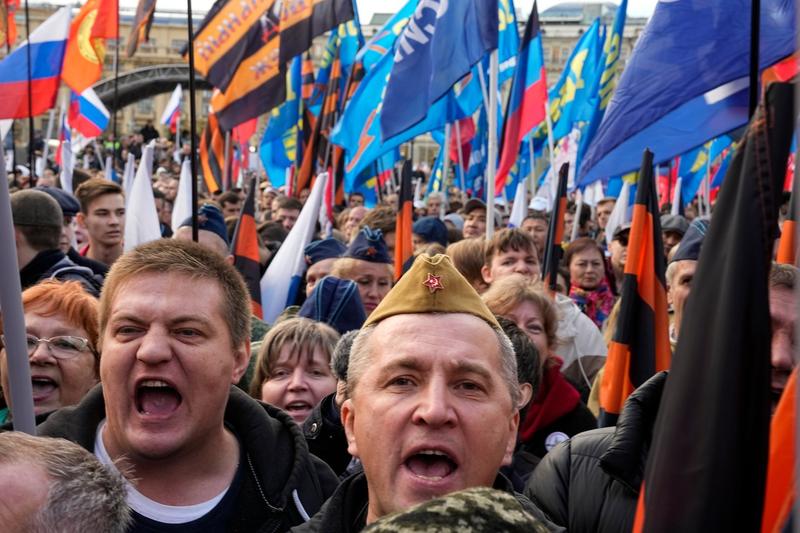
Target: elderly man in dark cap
(38,224)
(432,402)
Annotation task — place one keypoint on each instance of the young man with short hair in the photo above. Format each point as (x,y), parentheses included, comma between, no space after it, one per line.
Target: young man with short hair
(288,209)
(103,217)
(510,251)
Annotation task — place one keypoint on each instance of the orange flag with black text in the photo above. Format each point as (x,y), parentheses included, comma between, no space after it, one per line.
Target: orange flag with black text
(404,247)
(640,345)
(245,250)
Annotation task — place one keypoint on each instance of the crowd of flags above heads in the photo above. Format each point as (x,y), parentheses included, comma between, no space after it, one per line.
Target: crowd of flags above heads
(410,79)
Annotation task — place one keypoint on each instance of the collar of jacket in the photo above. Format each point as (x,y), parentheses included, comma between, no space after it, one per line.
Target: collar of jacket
(626,457)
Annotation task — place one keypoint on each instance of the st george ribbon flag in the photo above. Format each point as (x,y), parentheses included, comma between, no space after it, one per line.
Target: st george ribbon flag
(437,48)
(686,81)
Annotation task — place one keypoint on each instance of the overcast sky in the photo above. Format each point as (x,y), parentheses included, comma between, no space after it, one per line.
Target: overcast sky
(366,8)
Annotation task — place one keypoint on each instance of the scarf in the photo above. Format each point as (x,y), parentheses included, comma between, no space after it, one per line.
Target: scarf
(595,304)
(555,398)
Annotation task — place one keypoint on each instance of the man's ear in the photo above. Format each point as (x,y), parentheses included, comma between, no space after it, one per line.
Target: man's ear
(526,393)
(348,421)
(81,218)
(513,426)
(241,361)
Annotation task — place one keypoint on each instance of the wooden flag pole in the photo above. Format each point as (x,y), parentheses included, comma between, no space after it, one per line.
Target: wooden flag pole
(192,121)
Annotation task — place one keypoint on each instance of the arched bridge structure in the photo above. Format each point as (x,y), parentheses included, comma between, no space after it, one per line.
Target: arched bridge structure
(144,83)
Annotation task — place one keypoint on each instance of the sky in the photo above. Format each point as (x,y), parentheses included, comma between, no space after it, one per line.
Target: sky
(639,8)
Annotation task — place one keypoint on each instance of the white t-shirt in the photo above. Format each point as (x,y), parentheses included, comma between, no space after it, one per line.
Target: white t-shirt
(166,514)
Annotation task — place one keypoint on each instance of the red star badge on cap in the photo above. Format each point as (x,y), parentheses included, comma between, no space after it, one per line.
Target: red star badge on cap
(434,283)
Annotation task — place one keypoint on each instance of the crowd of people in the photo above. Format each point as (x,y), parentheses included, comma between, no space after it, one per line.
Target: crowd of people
(371,396)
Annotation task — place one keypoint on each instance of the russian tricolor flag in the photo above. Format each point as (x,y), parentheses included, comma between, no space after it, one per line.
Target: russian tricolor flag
(527,102)
(173,110)
(87,114)
(47,45)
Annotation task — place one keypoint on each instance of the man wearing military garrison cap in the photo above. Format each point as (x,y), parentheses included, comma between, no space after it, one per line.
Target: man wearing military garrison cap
(432,400)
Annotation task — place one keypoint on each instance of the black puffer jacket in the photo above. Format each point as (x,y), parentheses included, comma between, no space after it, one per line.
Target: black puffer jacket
(591,482)
(283,482)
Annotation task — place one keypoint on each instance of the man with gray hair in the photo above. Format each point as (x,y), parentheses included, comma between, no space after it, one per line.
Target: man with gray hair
(55,485)
(432,400)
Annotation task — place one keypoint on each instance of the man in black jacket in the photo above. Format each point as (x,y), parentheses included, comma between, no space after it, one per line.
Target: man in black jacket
(199,454)
(38,222)
(432,400)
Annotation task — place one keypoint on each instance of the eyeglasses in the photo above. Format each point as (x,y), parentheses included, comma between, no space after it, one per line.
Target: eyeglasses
(61,347)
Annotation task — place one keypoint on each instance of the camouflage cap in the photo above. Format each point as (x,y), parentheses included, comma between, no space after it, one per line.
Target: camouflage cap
(432,285)
(475,510)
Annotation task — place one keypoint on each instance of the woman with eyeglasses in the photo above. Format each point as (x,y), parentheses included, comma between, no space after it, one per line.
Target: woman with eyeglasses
(61,328)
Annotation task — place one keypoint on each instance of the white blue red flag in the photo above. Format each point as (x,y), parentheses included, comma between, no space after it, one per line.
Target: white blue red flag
(87,114)
(437,48)
(172,112)
(47,44)
(281,281)
(526,104)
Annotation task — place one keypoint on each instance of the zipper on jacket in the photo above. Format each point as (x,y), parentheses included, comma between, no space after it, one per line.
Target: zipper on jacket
(260,490)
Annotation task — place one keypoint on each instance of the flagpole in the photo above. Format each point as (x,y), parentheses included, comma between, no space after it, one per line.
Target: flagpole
(532,155)
(19,370)
(460,166)
(30,94)
(192,121)
(445,166)
(491,163)
(550,142)
(755,31)
(46,149)
(116,91)
(11,130)
(226,163)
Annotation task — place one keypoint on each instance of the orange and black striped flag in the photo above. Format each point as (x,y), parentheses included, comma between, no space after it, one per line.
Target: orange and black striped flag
(307,78)
(140,29)
(404,247)
(230,33)
(640,345)
(707,465)
(212,154)
(245,250)
(258,83)
(302,20)
(315,151)
(553,252)
(787,246)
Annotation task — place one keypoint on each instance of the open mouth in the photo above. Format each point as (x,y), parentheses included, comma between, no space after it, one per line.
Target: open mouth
(42,387)
(431,465)
(156,397)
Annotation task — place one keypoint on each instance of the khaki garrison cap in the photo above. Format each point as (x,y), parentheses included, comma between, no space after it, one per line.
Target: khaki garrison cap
(432,285)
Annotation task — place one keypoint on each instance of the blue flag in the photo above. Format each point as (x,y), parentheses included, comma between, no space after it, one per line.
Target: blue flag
(383,42)
(358,130)
(686,81)
(507,40)
(437,48)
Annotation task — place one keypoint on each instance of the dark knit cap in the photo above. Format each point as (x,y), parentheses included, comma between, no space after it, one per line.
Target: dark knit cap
(69,204)
(35,208)
(431,229)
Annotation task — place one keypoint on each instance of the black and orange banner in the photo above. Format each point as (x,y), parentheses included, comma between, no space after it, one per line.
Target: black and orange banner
(302,20)
(779,494)
(257,86)
(553,251)
(707,466)
(212,154)
(404,247)
(8,26)
(245,250)
(640,345)
(231,32)
(140,29)
(307,78)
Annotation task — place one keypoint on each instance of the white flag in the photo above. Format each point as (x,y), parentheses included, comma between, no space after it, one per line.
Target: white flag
(141,218)
(183,200)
